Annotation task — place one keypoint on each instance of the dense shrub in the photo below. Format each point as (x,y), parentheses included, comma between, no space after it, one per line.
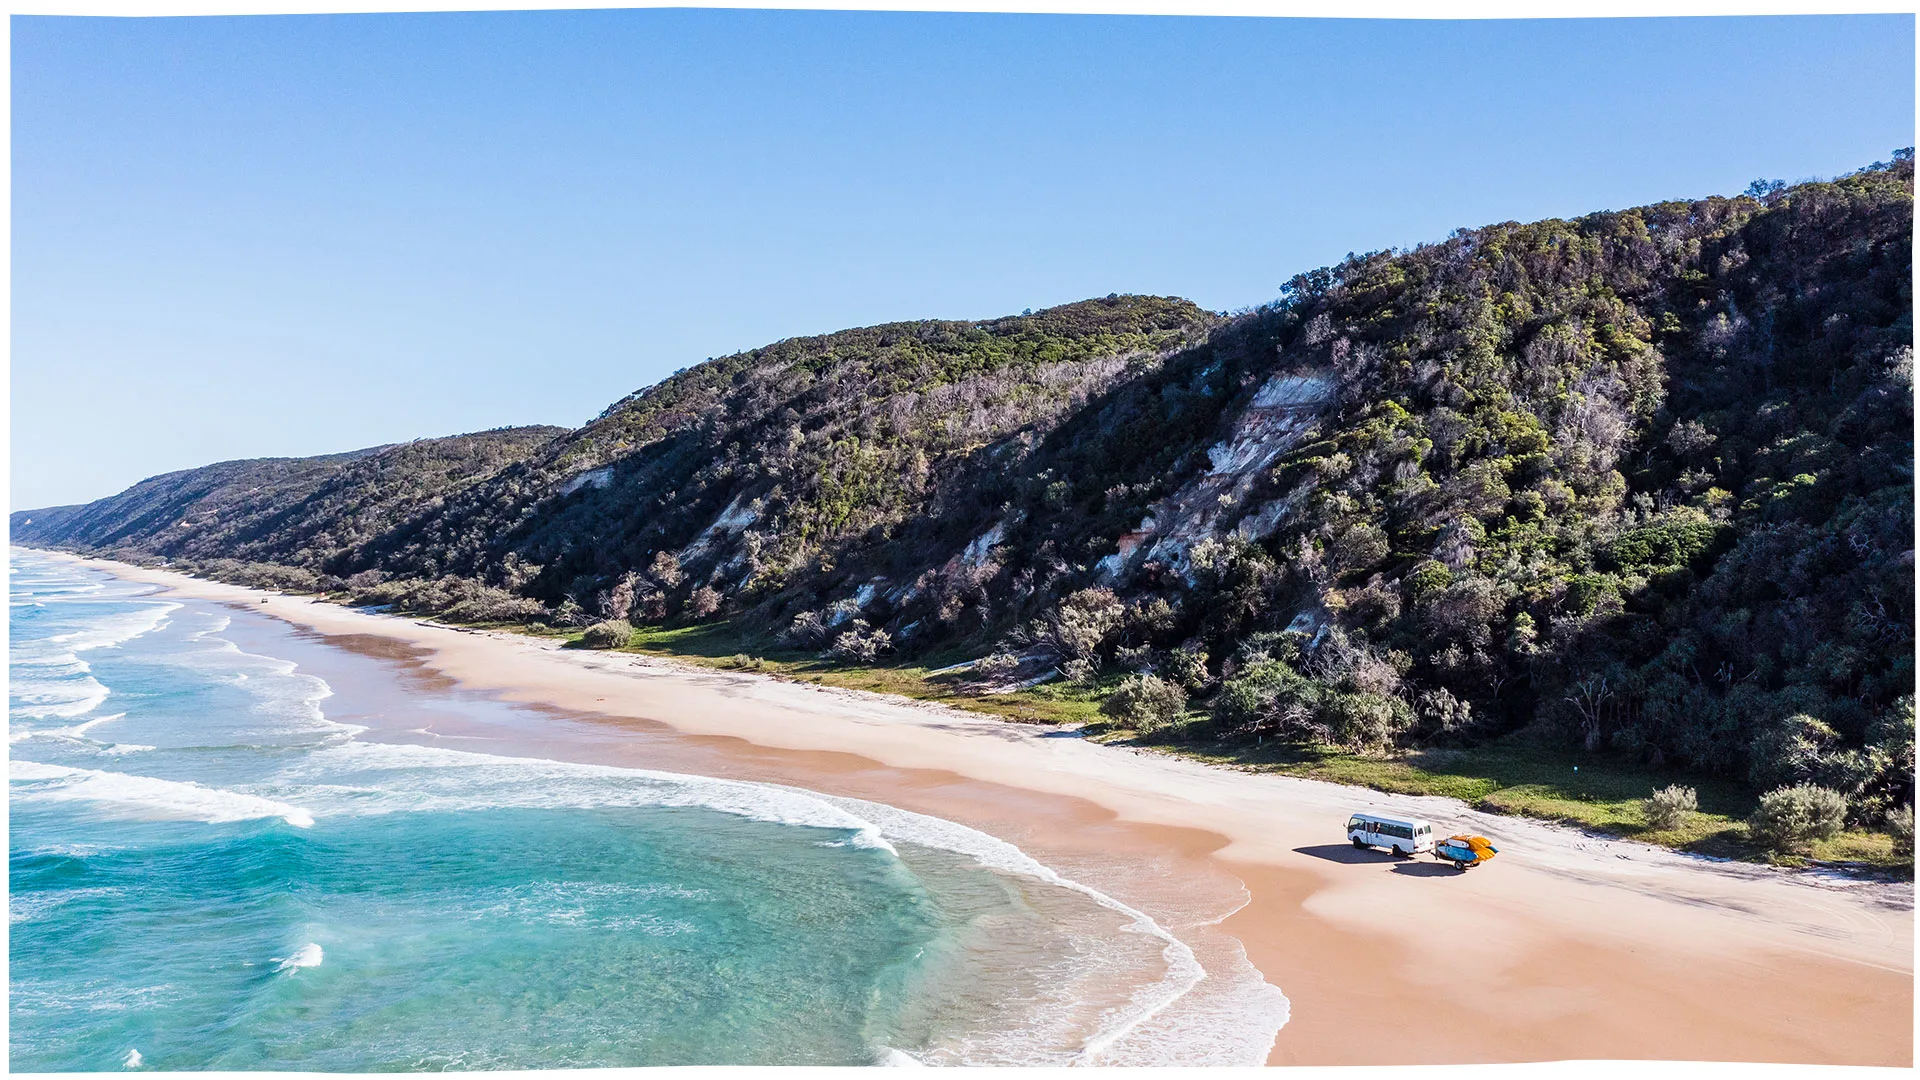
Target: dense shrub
(808,630)
(484,604)
(996,665)
(255,575)
(1146,703)
(1364,721)
(1789,819)
(1268,697)
(611,634)
(861,643)
(1669,807)
(1788,751)
(1188,667)
(455,598)
(1081,624)
(703,601)
(1899,824)
(1078,672)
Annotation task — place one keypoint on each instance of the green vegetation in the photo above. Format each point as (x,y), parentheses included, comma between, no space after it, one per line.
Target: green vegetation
(1670,807)
(1606,795)
(1632,491)
(1146,703)
(1790,820)
(298,514)
(611,634)
(1521,775)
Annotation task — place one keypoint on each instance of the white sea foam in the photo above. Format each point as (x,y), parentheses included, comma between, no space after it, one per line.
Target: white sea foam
(30,997)
(118,627)
(40,699)
(27,907)
(594,905)
(102,630)
(79,731)
(55,587)
(144,797)
(70,851)
(1233,1021)
(306,956)
(49,680)
(287,698)
(374,778)
(132,1060)
(78,734)
(220,622)
(1183,971)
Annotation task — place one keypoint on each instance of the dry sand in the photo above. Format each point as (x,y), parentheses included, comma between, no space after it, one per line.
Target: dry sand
(1566,946)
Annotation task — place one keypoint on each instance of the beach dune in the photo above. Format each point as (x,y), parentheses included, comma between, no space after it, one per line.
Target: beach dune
(1568,946)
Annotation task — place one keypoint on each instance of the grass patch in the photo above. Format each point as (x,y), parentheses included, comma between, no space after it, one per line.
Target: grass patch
(723,646)
(1522,777)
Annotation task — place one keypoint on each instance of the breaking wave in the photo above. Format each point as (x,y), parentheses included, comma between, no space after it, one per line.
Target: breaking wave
(144,797)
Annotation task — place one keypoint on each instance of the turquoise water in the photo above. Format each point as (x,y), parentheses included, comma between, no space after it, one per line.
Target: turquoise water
(209,872)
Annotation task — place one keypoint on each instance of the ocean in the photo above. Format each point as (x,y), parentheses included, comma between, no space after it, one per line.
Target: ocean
(215,866)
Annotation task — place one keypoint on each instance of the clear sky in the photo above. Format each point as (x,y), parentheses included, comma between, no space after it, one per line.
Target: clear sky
(241,237)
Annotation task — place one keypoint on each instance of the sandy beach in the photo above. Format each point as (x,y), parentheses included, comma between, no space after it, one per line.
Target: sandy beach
(1567,946)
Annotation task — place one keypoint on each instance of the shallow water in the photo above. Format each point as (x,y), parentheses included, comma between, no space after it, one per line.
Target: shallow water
(210,871)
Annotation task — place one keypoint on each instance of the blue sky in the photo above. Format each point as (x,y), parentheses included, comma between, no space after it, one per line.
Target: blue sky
(240,237)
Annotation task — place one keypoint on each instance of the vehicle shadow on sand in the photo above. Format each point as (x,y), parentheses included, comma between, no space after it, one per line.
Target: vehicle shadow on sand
(1349,855)
(1428,869)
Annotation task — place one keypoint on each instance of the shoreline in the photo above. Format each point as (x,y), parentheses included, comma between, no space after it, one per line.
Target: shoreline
(1568,946)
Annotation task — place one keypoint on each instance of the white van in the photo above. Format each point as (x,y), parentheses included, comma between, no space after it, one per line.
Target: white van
(1405,837)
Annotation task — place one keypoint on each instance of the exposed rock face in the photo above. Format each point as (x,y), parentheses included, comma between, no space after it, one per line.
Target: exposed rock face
(975,554)
(592,478)
(1281,416)
(732,521)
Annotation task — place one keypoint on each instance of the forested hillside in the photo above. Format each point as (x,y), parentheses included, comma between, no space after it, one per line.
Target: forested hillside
(1640,481)
(292,512)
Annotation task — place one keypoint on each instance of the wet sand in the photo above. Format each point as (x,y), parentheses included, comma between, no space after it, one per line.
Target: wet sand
(1567,946)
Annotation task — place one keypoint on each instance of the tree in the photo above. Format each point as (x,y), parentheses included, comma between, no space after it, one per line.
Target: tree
(1080,625)
(1589,697)
(703,601)
(665,570)
(861,643)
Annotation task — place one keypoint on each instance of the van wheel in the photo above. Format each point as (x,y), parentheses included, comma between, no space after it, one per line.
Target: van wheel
(1398,853)
(1359,843)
